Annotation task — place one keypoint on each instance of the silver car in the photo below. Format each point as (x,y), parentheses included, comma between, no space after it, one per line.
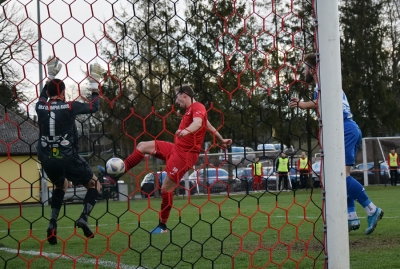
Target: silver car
(316,172)
(215,180)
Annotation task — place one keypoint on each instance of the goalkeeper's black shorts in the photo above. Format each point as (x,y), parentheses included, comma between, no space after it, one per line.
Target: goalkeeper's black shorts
(74,168)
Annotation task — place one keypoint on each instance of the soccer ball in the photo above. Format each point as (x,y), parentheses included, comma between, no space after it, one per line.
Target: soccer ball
(115,167)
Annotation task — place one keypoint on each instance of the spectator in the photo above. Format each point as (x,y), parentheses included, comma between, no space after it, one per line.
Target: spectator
(257,172)
(304,166)
(393,162)
(282,168)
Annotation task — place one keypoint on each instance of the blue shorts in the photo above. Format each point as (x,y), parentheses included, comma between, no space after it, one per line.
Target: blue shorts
(352,141)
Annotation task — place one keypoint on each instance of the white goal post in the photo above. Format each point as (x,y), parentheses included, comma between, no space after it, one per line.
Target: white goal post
(331,114)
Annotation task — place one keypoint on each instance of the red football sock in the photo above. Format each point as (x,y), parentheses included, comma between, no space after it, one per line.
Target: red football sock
(166,205)
(133,159)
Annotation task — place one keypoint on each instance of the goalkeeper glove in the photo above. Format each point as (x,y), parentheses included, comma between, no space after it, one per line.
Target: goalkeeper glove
(53,67)
(95,75)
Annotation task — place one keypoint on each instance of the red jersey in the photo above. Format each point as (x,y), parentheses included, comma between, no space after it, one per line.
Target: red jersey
(192,141)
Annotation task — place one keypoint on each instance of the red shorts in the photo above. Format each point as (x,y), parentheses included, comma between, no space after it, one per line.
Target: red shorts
(257,179)
(178,162)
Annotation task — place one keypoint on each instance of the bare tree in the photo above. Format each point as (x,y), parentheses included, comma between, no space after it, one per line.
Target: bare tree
(17,43)
(392,12)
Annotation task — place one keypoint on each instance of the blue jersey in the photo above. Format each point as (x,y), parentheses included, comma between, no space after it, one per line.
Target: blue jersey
(352,134)
(346,107)
(345,104)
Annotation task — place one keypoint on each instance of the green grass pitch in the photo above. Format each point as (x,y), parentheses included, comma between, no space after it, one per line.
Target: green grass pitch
(255,231)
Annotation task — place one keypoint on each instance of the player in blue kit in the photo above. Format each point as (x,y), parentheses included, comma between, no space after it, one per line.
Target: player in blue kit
(352,140)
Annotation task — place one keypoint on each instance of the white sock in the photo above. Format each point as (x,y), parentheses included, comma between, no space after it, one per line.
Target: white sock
(352,215)
(370,209)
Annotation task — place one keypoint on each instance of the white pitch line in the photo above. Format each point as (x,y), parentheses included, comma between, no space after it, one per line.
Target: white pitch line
(109,264)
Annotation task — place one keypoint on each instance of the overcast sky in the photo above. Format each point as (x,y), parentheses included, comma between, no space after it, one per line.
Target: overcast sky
(69,30)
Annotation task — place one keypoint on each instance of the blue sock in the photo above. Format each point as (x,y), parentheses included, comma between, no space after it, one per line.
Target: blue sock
(351,205)
(351,208)
(356,191)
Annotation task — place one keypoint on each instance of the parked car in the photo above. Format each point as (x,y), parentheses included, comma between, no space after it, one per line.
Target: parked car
(246,177)
(316,171)
(244,173)
(267,151)
(109,187)
(239,155)
(293,177)
(147,185)
(72,194)
(269,179)
(278,147)
(76,194)
(357,172)
(216,180)
(266,147)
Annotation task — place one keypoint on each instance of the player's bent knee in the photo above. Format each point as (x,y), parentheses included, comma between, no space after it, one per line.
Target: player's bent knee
(97,183)
(63,186)
(93,183)
(146,147)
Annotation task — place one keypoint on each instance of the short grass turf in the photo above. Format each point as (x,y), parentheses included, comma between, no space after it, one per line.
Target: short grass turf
(261,230)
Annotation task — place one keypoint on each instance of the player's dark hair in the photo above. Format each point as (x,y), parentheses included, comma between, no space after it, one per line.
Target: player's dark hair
(311,59)
(185,89)
(55,87)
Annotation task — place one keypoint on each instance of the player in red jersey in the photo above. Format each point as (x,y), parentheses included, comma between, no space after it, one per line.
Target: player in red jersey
(181,155)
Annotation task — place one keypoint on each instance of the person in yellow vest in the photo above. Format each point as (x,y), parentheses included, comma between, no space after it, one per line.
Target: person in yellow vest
(304,166)
(393,162)
(282,168)
(257,172)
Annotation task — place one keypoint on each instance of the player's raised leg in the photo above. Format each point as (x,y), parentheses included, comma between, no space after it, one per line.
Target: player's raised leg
(147,147)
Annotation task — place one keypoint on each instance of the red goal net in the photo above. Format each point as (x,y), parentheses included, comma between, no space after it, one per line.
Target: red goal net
(242,58)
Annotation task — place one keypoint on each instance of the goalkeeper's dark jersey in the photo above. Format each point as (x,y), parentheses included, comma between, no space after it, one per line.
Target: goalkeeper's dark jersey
(58,133)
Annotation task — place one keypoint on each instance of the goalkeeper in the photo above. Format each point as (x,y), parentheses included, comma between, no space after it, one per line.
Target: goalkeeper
(352,140)
(58,148)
